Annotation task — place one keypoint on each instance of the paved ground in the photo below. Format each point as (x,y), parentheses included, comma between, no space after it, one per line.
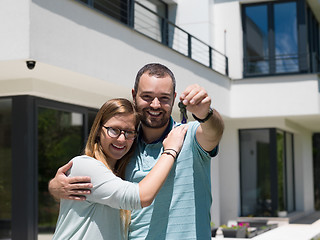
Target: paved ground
(295,228)
(299,228)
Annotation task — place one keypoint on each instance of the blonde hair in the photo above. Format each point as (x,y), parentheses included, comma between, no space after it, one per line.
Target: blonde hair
(93,147)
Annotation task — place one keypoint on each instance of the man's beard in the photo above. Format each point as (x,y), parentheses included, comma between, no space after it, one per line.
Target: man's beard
(151,122)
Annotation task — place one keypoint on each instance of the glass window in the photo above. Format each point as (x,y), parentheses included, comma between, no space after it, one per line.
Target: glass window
(117,9)
(5,168)
(316,170)
(148,18)
(60,138)
(273,43)
(290,172)
(266,172)
(156,6)
(286,38)
(256,22)
(314,41)
(280,172)
(255,173)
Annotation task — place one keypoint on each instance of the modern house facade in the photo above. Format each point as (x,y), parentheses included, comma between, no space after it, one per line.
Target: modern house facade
(259,61)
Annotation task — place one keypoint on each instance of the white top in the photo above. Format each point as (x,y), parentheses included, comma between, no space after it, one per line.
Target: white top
(99,216)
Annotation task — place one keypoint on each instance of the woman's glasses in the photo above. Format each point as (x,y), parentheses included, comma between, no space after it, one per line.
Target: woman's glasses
(116,132)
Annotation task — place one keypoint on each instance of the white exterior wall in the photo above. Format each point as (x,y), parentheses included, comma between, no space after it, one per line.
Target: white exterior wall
(194,16)
(304,171)
(275,96)
(81,52)
(14,34)
(228,34)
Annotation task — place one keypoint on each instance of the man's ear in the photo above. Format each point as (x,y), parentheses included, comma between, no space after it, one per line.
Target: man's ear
(133,92)
(174,97)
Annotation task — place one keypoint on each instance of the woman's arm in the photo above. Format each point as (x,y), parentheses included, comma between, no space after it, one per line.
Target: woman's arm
(151,184)
(117,193)
(113,191)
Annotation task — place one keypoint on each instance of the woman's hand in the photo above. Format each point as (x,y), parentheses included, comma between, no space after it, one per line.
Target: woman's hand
(175,138)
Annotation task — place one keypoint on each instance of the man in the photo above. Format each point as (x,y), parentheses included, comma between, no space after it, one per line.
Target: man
(181,209)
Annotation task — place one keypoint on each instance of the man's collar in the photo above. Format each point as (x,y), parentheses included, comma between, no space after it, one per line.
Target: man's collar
(165,133)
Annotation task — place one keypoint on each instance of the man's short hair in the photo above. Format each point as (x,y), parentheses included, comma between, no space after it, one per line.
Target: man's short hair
(155,69)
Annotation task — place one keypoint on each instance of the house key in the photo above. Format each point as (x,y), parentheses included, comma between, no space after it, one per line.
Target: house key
(183,112)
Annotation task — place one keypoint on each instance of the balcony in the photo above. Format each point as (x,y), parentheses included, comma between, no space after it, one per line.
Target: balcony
(149,23)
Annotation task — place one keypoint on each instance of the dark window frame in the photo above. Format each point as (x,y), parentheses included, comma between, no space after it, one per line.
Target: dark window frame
(24,222)
(273,168)
(308,62)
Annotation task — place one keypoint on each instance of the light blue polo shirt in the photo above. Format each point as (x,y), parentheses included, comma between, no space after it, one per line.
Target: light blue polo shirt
(181,210)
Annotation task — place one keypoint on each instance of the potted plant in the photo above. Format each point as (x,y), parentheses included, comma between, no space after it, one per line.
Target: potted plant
(235,231)
(282,213)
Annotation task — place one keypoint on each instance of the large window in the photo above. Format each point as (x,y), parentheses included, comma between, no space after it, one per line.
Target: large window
(5,168)
(148,19)
(266,168)
(275,38)
(60,138)
(118,9)
(316,170)
(314,41)
(37,136)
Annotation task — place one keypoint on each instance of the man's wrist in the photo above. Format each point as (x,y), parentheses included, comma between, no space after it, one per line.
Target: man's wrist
(210,113)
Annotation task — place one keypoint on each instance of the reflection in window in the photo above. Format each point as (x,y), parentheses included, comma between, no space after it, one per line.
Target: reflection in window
(117,9)
(286,38)
(257,39)
(271,39)
(280,173)
(289,172)
(255,173)
(148,18)
(60,138)
(5,168)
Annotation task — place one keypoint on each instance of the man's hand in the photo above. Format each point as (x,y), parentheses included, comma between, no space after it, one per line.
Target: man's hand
(72,188)
(196,100)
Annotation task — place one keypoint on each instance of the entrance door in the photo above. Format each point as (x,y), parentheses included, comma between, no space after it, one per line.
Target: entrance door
(266,171)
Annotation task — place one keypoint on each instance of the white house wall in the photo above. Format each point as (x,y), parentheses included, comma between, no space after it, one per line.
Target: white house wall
(14,34)
(304,172)
(275,96)
(104,49)
(195,17)
(228,34)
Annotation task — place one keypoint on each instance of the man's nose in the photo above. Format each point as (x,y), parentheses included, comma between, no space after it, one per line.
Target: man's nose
(155,103)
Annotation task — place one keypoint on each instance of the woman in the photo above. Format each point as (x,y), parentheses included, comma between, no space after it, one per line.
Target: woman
(107,153)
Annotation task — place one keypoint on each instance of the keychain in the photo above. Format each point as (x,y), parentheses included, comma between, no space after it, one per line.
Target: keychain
(183,112)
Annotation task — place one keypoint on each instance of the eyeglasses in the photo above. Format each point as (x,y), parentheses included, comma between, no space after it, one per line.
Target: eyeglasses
(116,132)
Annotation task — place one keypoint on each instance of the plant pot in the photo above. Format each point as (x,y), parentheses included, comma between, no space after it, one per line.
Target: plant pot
(282,213)
(213,232)
(234,233)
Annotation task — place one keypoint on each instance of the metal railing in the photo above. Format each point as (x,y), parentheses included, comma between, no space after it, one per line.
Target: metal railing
(142,19)
(161,29)
(282,64)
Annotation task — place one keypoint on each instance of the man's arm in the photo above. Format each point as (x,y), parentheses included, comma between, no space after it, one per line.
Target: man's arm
(198,102)
(72,188)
